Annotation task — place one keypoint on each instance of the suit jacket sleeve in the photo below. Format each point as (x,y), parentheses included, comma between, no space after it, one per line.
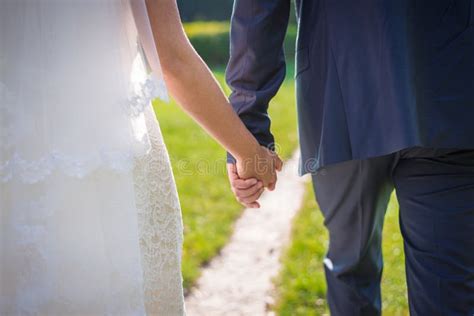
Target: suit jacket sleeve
(256,67)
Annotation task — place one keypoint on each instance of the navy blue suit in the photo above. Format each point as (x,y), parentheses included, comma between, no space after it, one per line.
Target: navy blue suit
(372,76)
(385,96)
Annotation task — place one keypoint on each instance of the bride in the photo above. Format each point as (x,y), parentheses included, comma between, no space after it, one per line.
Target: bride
(90,222)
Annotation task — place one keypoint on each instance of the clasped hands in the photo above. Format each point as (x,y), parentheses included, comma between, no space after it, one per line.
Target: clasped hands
(249,176)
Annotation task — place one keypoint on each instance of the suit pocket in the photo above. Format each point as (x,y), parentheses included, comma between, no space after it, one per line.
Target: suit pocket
(302,60)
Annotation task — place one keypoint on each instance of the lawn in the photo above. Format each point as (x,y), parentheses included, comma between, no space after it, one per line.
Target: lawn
(301,286)
(209,208)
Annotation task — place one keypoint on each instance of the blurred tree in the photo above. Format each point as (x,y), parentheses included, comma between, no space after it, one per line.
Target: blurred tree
(205,10)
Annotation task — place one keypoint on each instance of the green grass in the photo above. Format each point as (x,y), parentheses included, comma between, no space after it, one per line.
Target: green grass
(209,208)
(394,292)
(301,285)
(200,28)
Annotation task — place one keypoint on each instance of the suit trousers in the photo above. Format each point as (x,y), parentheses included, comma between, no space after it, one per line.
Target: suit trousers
(435,191)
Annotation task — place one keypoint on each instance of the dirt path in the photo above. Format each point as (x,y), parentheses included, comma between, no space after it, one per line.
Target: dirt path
(239,281)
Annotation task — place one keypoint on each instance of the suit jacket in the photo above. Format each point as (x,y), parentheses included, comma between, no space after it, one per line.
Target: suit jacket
(372,76)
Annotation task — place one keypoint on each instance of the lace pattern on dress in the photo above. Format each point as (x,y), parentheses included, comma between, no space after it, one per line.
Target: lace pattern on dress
(160,227)
(155,289)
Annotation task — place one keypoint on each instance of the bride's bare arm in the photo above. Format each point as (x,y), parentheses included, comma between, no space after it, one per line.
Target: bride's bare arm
(196,90)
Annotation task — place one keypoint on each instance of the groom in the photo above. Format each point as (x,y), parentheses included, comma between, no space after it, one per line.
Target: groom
(385,95)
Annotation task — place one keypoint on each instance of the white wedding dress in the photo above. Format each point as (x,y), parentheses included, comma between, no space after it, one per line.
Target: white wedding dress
(90,221)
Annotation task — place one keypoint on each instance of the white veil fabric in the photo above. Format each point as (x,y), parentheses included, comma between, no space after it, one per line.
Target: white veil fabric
(89,216)
(72,76)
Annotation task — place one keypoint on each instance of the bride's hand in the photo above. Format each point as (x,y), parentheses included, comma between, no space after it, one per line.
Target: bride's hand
(262,164)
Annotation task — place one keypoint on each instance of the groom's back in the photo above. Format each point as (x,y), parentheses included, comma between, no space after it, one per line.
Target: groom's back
(375,76)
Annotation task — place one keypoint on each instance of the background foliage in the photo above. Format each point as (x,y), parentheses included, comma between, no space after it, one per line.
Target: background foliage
(205,10)
(209,29)
(211,41)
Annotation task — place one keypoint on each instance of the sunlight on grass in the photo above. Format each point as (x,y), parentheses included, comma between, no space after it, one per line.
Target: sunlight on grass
(205,28)
(394,292)
(202,28)
(301,285)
